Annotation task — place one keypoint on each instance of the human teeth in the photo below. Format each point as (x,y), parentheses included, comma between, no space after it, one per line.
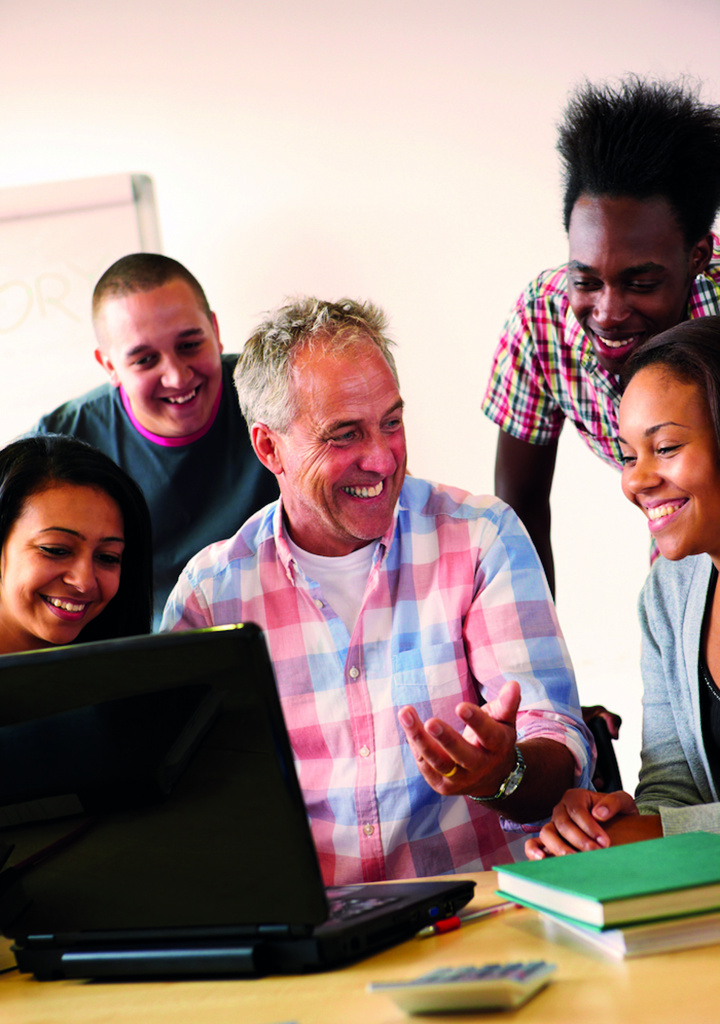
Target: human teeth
(660,511)
(364,492)
(618,344)
(182,399)
(67,606)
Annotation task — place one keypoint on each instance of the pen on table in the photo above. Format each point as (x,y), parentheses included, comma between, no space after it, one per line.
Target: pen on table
(451,924)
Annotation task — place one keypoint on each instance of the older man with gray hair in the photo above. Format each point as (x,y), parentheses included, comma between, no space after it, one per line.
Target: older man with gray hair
(392,609)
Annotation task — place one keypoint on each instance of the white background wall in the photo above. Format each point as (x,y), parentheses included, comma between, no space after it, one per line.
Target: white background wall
(399,150)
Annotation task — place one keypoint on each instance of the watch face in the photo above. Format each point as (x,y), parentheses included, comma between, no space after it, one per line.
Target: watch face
(513,782)
(516,775)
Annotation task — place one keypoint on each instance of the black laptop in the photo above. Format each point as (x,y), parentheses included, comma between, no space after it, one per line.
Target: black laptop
(152,825)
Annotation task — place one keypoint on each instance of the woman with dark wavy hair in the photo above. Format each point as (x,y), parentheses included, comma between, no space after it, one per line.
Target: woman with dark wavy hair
(75,546)
(670,438)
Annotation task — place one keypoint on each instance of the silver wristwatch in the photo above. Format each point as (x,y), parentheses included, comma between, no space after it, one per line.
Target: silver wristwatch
(510,784)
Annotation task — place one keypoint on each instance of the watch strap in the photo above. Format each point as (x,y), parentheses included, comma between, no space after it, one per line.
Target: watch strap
(509,784)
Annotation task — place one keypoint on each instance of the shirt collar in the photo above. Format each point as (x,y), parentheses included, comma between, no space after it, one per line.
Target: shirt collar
(171,442)
(578,339)
(283,548)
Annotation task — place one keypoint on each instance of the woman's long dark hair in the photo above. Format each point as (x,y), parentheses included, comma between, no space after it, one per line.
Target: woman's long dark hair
(689,351)
(33,464)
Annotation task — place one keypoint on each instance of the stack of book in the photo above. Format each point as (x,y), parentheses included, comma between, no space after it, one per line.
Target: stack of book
(647,897)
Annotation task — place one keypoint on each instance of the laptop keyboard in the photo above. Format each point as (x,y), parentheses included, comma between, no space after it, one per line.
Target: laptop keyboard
(345,904)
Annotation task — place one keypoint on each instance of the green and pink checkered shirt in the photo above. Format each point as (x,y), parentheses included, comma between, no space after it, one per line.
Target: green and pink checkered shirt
(545,371)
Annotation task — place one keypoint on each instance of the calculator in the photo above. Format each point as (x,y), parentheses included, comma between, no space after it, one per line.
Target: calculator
(489,987)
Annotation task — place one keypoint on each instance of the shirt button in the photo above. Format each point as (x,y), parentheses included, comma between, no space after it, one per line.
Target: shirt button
(318,603)
(354,672)
(368,829)
(364,751)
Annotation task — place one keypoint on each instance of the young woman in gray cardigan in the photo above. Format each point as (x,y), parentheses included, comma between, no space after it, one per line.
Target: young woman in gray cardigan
(669,421)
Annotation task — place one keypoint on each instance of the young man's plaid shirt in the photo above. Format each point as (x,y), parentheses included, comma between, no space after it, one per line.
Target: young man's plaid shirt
(545,372)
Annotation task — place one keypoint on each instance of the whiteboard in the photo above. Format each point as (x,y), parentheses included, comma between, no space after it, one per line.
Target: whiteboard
(56,240)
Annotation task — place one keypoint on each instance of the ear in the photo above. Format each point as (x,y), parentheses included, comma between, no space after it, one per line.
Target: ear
(700,255)
(213,321)
(107,364)
(266,444)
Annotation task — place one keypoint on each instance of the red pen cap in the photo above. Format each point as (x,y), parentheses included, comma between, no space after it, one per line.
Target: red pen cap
(448,925)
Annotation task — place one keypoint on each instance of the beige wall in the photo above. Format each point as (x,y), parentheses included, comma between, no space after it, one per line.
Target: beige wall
(400,150)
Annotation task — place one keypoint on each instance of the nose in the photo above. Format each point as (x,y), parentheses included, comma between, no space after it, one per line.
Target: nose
(378,456)
(610,308)
(640,476)
(81,575)
(175,374)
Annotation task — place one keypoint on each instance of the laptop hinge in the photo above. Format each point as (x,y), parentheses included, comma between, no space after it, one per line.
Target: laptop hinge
(284,931)
(239,960)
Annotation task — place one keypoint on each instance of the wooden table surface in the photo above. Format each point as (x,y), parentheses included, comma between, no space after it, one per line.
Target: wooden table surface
(681,987)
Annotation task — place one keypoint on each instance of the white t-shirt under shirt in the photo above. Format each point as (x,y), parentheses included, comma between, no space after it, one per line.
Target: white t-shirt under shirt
(341,578)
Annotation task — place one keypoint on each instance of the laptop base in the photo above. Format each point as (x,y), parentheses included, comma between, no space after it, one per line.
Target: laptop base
(328,945)
(174,747)
(118,964)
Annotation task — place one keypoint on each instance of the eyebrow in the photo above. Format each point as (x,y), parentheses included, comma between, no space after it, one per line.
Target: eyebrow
(641,268)
(649,431)
(340,424)
(76,533)
(190,332)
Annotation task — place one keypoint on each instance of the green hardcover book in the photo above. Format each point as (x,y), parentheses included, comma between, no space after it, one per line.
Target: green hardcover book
(642,881)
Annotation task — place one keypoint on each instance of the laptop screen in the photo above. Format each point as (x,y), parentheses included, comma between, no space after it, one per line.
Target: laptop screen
(139,769)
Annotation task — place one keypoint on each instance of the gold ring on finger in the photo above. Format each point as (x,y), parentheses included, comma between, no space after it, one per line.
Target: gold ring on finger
(449,775)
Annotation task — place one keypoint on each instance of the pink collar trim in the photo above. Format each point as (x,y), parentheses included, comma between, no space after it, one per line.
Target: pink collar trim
(171,442)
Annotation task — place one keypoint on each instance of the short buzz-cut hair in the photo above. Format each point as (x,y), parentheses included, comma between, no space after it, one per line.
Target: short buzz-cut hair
(141,272)
(643,139)
(263,375)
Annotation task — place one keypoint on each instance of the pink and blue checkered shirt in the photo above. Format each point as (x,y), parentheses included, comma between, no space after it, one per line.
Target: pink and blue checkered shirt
(456,604)
(545,371)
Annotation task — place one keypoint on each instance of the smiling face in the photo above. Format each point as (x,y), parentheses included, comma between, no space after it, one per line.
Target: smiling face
(629,272)
(341,464)
(671,462)
(165,352)
(60,566)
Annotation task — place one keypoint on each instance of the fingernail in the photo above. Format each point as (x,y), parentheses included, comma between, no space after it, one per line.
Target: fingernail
(435,729)
(406,718)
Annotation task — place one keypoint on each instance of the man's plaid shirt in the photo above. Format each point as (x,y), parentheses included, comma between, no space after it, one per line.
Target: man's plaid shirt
(545,371)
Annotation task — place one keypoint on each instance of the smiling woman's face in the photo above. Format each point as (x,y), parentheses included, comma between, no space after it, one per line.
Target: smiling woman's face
(671,462)
(60,566)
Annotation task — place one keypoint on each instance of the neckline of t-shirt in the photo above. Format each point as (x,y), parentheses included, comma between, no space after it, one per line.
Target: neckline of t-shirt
(170,442)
